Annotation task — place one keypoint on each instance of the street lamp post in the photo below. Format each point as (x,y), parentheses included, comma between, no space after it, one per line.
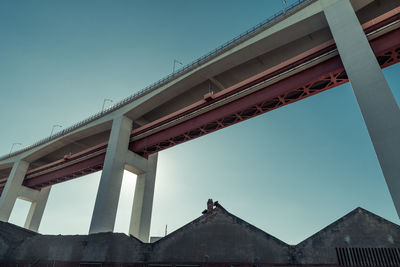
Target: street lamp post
(52,129)
(104,103)
(13,147)
(176,61)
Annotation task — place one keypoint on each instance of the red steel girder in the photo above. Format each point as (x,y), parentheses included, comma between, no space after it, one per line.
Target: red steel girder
(68,158)
(319,78)
(78,169)
(309,82)
(323,76)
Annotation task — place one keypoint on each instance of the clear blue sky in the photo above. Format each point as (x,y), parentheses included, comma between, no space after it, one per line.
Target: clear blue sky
(289,172)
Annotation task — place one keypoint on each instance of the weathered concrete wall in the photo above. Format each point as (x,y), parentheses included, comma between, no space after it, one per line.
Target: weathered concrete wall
(218,236)
(12,236)
(359,228)
(105,247)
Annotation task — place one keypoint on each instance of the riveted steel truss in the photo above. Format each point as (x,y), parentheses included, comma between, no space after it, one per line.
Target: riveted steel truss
(335,76)
(325,75)
(320,84)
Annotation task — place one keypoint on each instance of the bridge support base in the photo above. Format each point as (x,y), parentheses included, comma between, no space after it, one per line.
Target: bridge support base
(375,99)
(143,201)
(118,158)
(14,189)
(36,210)
(105,209)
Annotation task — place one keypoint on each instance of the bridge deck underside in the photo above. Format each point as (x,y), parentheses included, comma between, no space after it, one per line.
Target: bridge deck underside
(323,76)
(301,86)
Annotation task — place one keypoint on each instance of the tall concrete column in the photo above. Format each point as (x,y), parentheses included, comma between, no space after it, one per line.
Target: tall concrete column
(106,205)
(36,210)
(12,188)
(143,201)
(377,104)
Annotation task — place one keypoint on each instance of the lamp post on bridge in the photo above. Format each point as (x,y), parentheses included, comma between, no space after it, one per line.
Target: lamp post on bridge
(284,6)
(104,103)
(176,61)
(52,129)
(13,147)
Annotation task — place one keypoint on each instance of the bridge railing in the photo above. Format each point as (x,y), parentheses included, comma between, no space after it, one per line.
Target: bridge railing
(217,51)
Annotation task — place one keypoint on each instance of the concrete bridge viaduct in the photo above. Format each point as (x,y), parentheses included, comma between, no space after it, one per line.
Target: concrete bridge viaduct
(314,46)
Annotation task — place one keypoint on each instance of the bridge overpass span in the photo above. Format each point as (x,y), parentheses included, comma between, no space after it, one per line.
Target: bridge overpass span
(314,46)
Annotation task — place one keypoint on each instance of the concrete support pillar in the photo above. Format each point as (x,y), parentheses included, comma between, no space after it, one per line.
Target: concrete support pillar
(106,205)
(12,188)
(377,104)
(143,201)
(36,210)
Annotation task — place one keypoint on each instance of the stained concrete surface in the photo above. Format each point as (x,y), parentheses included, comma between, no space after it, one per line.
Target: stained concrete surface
(216,236)
(359,228)
(219,236)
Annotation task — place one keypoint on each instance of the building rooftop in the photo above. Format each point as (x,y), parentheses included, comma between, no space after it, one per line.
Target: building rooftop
(360,238)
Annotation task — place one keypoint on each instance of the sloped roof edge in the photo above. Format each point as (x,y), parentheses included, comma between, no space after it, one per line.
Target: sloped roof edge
(344,218)
(223,210)
(19,228)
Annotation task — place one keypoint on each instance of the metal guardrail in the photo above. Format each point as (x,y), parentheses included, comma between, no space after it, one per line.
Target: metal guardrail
(238,39)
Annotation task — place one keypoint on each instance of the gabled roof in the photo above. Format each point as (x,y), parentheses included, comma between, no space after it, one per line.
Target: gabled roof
(215,237)
(220,236)
(359,228)
(358,217)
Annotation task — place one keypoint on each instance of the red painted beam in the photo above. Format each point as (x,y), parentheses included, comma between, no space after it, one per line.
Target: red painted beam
(68,158)
(368,27)
(324,76)
(232,108)
(67,173)
(269,73)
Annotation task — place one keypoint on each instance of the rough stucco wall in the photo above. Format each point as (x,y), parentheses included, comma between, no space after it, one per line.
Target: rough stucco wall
(219,237)
(11,236)
(359,228)
(105,247)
